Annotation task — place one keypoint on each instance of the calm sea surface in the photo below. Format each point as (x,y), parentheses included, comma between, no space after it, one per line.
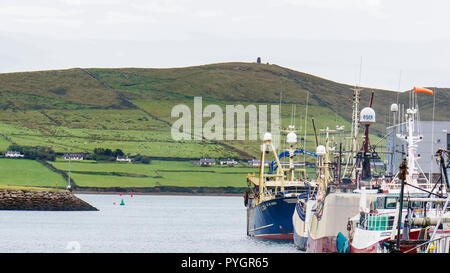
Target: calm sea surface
(147,223)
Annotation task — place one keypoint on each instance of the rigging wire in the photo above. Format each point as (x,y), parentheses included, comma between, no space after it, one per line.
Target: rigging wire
(432,139)
(306,117)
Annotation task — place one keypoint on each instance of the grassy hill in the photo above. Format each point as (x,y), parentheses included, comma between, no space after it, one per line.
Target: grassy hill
(77,110)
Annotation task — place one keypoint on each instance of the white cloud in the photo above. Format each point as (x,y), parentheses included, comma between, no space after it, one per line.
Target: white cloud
(324,37)
(334,4)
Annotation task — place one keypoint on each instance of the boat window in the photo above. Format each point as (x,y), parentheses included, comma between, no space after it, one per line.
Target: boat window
(416,205)
(380,203)
(390,203)
(377,167)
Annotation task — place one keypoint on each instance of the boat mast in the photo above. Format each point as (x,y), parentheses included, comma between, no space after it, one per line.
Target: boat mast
(366,172)
(340,129)
(261,169)
(291,141)
(323,164)
(355,125)
(413,140)
(306,117)
(267,144)
(354,132)
(327,155)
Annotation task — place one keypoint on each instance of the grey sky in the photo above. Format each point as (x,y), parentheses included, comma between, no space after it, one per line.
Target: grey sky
(321,37)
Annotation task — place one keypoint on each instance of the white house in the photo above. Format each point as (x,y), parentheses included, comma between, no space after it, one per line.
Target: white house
(229,162)
(123,159)
(257,162)
(13,154)
(73,156)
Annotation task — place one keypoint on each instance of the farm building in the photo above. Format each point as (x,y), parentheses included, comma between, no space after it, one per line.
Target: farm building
(207,161)
(13,154)
(123,158)
(73,156)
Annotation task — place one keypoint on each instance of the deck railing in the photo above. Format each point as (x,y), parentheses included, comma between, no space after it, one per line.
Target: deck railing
(375,221)
(438,245)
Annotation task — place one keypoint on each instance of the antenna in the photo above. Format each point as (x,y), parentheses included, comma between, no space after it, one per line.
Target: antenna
(280,114)
(432,140)
(354,146)
(295,108)
(306,116)
(398,88)
(292,113)
(360,71)
(315,134)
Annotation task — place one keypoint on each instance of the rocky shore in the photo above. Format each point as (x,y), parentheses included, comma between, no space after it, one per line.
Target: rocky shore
(41,199)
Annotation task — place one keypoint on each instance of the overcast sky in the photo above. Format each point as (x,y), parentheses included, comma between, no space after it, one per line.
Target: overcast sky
(401,42)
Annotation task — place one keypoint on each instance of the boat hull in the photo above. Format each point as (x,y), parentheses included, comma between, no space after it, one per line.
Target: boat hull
(300,242)
(375,244)
(369,249)
(271,219)
(331,219)
(325,244)
(301,221)
(298,222)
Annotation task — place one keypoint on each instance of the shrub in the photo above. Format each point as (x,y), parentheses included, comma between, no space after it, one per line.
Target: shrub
(101,154)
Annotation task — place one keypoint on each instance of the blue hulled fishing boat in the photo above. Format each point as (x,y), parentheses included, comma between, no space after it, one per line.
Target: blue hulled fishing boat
(272,196)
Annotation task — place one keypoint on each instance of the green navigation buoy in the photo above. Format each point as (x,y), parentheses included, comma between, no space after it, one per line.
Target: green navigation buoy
(122,203)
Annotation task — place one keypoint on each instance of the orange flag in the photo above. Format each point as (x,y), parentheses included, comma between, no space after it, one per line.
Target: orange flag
(423,90)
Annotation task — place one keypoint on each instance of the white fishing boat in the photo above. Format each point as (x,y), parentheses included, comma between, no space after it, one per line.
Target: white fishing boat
(320,216)
(393,223)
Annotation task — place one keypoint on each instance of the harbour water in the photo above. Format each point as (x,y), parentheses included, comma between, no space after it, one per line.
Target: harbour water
(145,224)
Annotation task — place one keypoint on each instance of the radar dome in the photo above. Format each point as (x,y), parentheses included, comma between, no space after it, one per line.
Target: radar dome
(394,107)
(320,150)
(367,115)
(291,138)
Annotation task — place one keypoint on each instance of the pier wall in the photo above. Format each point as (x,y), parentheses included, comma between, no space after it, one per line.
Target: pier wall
(56,200)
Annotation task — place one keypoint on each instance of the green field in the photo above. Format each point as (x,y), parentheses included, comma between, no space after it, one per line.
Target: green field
(4,144)
(161,173)
(23,172)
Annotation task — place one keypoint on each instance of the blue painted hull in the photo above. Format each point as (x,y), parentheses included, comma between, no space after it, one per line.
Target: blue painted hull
(300,241)
(272,219)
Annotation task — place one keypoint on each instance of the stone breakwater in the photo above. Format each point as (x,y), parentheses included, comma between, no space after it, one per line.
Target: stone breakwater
(42,200)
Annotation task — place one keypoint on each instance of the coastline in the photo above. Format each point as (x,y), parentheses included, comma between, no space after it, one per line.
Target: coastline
(164,190)
(157,193)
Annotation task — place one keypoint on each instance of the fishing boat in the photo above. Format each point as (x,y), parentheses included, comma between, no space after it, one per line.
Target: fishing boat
(379,229)
(313,217)
(322,215)
(327,210)
(272,195)
(393,223)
